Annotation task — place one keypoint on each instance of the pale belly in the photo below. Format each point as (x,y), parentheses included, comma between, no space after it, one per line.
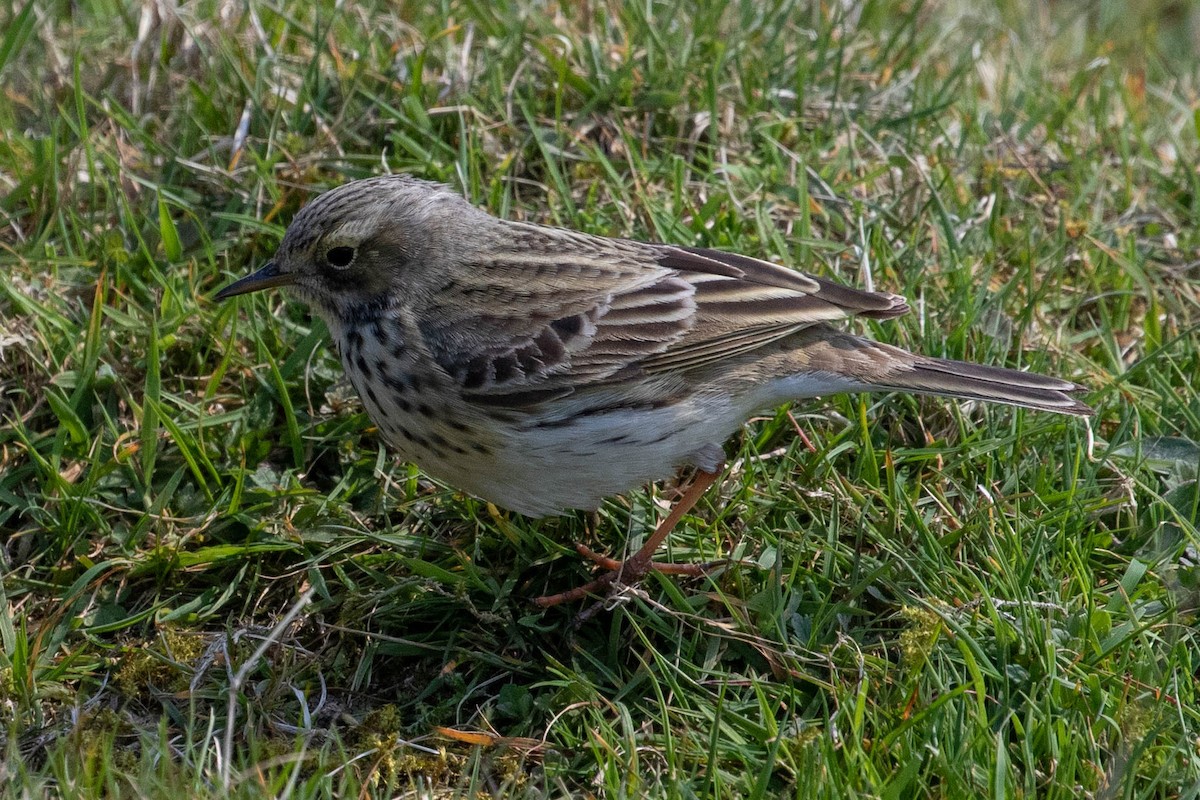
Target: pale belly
(546,460)
(540,469)
(543,470)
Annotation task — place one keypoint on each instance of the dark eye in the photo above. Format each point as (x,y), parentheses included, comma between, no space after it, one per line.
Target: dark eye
(340,257)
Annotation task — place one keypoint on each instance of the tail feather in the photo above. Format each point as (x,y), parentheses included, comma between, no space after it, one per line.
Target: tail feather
(992,384)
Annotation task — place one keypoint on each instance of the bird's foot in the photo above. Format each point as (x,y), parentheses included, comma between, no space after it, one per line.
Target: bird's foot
(633,569)
(624,573)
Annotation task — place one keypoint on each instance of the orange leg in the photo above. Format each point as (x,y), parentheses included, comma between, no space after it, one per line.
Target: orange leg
(632,569)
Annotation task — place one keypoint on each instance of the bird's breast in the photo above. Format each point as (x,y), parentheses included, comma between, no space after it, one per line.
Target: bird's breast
(413,403)
(572,453)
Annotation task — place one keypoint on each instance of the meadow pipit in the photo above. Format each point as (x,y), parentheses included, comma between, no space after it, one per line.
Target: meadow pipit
(545,369)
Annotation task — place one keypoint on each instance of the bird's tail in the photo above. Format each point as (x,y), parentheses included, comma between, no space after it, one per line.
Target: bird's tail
(939,376)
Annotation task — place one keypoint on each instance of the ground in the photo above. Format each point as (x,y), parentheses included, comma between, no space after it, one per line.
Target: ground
(218,583)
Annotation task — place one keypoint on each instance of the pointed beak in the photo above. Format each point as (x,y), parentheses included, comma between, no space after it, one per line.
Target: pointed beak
(265,278)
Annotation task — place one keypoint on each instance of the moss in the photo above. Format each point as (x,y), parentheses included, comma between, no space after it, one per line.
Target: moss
(163,664)
(917,640)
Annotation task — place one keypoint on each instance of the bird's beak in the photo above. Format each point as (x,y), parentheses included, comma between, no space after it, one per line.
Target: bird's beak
(264,278)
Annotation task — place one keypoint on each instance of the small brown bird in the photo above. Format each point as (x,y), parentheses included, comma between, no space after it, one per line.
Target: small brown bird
(545,369)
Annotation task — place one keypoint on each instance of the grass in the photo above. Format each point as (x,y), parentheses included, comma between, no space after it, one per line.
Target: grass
(217,583)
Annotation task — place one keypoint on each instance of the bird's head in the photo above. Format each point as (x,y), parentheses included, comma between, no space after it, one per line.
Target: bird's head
(350,252)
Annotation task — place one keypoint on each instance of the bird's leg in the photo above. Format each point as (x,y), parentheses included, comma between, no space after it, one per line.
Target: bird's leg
(632,569)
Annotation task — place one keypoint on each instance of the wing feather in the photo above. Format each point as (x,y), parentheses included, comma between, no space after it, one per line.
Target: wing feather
(582,310)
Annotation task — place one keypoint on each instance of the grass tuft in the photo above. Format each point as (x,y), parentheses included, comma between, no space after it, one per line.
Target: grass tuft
(216,583)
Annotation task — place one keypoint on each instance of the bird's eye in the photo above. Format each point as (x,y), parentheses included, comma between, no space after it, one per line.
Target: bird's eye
(340,257)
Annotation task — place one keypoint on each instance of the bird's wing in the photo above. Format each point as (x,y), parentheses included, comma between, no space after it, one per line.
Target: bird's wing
(744,303)
(558,311)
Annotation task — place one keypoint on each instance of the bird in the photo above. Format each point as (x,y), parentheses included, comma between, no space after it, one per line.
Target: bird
(545,369)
